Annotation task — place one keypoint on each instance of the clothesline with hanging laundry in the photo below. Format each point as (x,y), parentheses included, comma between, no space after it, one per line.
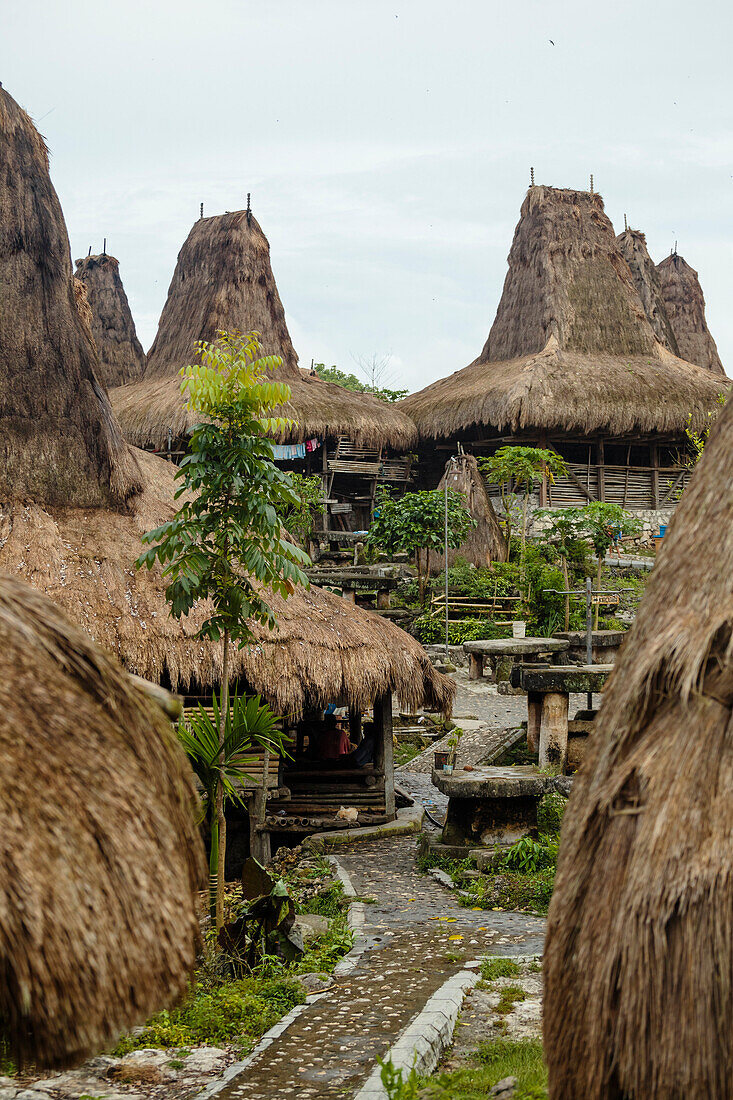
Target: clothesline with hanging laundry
(281,452)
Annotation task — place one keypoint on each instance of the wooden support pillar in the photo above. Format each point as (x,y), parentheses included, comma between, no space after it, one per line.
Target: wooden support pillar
(383,599)
(384,754)
(601,471)
(534,720)
(475,666)
(655,474)
(355,733)
(349,594)
(554,730)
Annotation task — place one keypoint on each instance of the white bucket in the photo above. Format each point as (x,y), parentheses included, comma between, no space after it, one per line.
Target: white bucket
(519,629)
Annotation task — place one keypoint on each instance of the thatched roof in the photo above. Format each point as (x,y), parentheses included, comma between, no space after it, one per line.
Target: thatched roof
(224,280)
(638,961)
(82,554)
(685,303)
(571,348)
(121,357)
(149,410)
(486,542)
(632,246)
(51,404)
(100,855)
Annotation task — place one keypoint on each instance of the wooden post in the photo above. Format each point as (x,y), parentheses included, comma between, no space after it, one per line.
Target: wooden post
(601,472)
(554,730)
(475,666)
(349,594)
(655,475)
(534,720)
(326,487)
(354,725)
(383,599)
(384,754)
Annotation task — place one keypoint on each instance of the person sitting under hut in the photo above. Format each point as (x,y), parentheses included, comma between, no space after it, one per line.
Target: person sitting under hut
(332,740)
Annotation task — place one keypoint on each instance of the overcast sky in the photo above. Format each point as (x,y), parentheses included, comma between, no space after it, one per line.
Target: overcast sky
(387,146)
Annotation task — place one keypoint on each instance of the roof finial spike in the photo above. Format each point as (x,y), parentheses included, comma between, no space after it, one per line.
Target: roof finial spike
(626,224)
(249,210)
(531,177)
(675,248)
(90,251)
(104,247)
(201,211)
(591,183)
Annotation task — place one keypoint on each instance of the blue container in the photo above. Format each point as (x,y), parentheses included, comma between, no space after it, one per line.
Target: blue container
(662,530)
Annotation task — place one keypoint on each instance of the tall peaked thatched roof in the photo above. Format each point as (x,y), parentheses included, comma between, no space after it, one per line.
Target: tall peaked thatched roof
(632,246)
(224,280)
(639,955)
(685,303)
(100,857)
(571,348)
(486,543)
(51,402)
(81,553)
(121,357)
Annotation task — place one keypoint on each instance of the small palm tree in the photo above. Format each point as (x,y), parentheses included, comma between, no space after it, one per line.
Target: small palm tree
(249,729)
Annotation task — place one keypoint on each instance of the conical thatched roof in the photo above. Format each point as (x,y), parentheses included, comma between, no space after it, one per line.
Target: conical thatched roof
(632,246)
(121,357)
(571,349)
(224,280)
(100,857)
(486,542)
(685,303)
(639,955)
(82,554)
(52,406)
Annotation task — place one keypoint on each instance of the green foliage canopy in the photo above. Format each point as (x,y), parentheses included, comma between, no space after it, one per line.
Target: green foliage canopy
(351,382)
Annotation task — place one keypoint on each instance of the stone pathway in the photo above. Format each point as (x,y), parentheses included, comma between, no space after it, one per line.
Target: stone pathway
(417,936)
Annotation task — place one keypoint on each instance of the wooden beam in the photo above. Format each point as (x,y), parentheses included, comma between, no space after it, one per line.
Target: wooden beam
(384,753)
(601,471)
(655,474)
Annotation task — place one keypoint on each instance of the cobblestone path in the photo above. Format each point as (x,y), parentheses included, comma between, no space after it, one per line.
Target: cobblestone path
(417,936)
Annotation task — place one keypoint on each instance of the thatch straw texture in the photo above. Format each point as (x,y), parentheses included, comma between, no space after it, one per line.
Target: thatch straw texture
(639,955)
(685,303)
(224,280)
(632,246)
(324,649)
(486,542)
(100,856)
(51,403)
(121,357)
(571,348)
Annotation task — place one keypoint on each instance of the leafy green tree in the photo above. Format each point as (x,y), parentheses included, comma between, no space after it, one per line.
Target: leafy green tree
(522,466)
(415,523)
(698,439)
(225,544)
(299,519)
(351,382)
(601,523)
(250,729)
(564,528)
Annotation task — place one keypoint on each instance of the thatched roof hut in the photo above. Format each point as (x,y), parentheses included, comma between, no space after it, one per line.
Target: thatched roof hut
(685,304)
(100,857)
(638,961)
(223,280)
(486,542)
(632,246)
(571,349)
(121,357)
(72,541)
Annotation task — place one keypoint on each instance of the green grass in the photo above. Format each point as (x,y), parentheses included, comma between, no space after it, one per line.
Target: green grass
(498,966)
(405,752)
(492,1062)
(508,997)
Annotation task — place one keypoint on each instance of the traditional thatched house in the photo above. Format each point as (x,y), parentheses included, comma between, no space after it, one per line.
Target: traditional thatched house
(638,960)
(75,500)
(100,857)
(223,280)
(632,246)
(486,542)
(121,357)
(572,363)
(685,304)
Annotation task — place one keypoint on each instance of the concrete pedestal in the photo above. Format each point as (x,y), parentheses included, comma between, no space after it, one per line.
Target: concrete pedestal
(490,806)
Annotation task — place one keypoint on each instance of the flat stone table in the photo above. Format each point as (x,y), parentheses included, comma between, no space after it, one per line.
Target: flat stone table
(605,645)
(490,805)
(530,649)
(548,690)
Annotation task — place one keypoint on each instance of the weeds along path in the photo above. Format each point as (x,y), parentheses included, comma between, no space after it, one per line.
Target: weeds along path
(417,935)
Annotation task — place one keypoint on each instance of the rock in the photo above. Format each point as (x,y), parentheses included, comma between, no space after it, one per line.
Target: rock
(504,1088)
(315,983)
(310,926)
(202,1060)
(563,784)
(442,877)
